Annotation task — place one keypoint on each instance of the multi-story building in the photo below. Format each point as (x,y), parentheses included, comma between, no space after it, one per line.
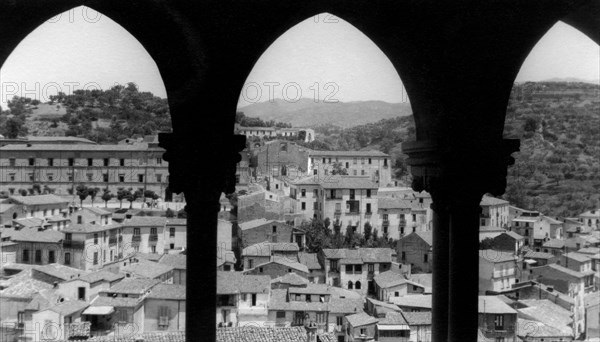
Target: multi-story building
(534,229)
(360,327)
(90,244)
(509,242)
(242,299)
(37,206)
(496,271)
(582,264)
(175,234)
(59,168)
(280,158)
(306,134)
(399,217)
(37,247)
(354,269)
(590,218)
(569,282)
(374,165)
(494,212)
(349,201)
(144,234)
(497,320)
(263,230)
(297,306)
(305,193)
(416,249)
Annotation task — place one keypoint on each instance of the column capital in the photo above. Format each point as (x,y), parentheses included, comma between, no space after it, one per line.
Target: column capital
(460,172)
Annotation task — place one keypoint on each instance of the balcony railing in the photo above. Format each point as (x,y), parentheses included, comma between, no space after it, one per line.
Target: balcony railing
(402,223)
(368,213)
(355,212)
(136,238)
(386,222)
(73,244)
(153,237)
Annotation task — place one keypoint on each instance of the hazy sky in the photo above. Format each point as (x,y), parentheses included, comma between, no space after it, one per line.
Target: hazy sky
(322,57)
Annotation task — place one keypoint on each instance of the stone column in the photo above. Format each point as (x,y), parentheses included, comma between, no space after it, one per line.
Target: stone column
(457,178)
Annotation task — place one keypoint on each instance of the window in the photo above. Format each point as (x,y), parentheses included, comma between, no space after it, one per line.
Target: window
(51,257)
(369,161)
(350,285)
(152,231)
(25,255)
(333,265)
(95,258)
(172,232)
(67,258)
(280,315)
(136,231)
(414,217)
(31,177)
(95,239)
(70,176)
(81,293)
(12,162)
(50,177)
(348,268)
(38,255)
(121,162)
(385,162)
(403,256)
(172,246)
(250,263)
(260,270)
(357,285)
(396,294)
(303,205)
(303,192)
(12,177)
(121,178)
(499,322)
(152,249)
(31,161)
(358,269)
(90,162)
(90,177)
(159,178)
(140,178)
(50,161)
(368,193)
(368,207)
(425,258)
(105,177)
(71,161)
(347,165)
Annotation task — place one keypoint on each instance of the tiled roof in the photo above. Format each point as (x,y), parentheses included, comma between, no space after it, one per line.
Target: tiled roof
(514,235)
(224,256)
(149,256)
(345,305)
(69,307)
(309,180)
(177,261)
(577,257)
(22,285)
(426,236)
(168,291)
(254,223)
(265,248)
(378,303)
(89,227)
(489,200)
(310,260)
(78,147)
(129,302)
(97,211)
(590,214)
(145,221)
(37,199)
(589,250)
(554,243)
(49,138)
(311,289)
(393,318)
(286,262)
(494,305)
(348,182)
(371,153)
(389,279)
(565,270)
(101,275)
(551,220)
(146,269)
(60,271)
(361,319)
(416,301)
(491,229)
(496,256)
(540,329)
(398,203)
(417,318)
(133,286)
(32,222)
(291,279)
(236,282)
(549,313)
(33,235)
(253,333)
(424,279)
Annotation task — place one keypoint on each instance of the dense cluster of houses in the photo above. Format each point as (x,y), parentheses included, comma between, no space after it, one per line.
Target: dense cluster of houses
(69,273)
(538,277)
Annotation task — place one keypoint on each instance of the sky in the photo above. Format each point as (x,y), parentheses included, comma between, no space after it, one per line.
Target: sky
(322,58)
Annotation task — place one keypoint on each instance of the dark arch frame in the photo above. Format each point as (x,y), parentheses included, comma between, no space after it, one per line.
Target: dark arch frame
(458,60)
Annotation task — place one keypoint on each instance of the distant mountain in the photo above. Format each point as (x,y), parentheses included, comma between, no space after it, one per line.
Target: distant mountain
(571,79)
(307,113)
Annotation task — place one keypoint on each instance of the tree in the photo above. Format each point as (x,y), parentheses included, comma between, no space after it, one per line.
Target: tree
(82,192)
(14,127)
(368,231)
(317,235)
(93,192)
(121,195)
(487,243)
(106,196)
(338,169)
(531,125)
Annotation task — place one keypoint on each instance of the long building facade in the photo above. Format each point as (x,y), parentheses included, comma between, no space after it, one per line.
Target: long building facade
(59,168)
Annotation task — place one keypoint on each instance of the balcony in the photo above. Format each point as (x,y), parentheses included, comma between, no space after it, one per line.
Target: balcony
(386,223)
(136,238)
(73,244)
(368,213)
(153,238)
(355,212)
(338,212)
(402,223)
(112,240)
